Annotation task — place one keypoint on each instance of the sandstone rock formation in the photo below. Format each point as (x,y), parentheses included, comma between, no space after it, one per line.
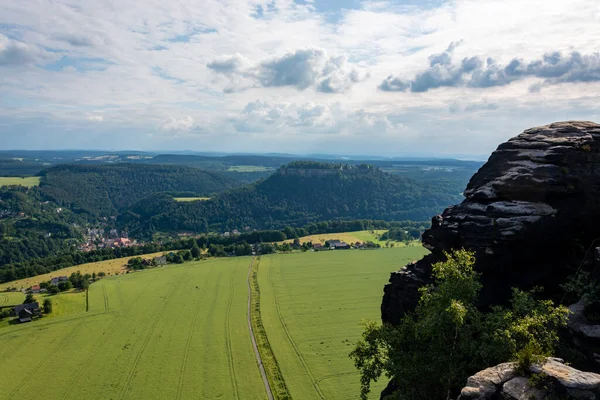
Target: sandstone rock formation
(555,380)
(530,213)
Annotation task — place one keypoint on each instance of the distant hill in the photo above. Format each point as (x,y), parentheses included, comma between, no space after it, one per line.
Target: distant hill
(298,193)
(104,190)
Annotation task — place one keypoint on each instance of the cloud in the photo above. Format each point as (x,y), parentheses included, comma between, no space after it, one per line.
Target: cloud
(229,64)
(16,53)
(300,69)
(95,118)
(474,72)
(185,124)
(309,118)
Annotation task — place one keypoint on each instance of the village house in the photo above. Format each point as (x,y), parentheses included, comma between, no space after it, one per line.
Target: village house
(341,246)
(35,289)
(58,279)
(27,311)
(160,260)
(317,246)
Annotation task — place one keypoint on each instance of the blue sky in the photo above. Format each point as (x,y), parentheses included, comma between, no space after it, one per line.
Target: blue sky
(339,76)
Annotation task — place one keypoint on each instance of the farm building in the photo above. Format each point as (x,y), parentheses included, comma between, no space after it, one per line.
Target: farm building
(341,246)
(317,246)
(26,311)
(160,260)
(58,279)
(35,289)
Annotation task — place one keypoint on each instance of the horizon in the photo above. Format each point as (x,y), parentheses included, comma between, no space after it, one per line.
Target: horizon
(299,76)
(323,156)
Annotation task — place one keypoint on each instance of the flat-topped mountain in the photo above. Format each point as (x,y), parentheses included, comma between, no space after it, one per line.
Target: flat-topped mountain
(296,194)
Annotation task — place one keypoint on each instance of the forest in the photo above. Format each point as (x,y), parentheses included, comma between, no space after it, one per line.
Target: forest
(296,195)
(105,190)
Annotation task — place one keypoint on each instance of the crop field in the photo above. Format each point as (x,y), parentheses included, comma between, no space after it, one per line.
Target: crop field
(312,306)
(27,182)
(351,237)
(175,332)
(181,331)
(183,199)
(109,267)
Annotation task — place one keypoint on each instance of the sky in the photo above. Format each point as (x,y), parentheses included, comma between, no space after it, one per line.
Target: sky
(390,78)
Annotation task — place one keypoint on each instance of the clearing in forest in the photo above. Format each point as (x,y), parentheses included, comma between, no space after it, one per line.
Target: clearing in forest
(185,199)
(15,180)
(312,306)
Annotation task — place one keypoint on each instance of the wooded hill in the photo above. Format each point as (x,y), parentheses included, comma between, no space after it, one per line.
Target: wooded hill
(296,194)
(104,190)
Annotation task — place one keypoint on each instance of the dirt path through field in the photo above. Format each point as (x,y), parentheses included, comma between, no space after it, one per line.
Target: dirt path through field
(256,353)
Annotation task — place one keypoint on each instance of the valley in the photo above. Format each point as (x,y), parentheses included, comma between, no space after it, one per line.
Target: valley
(180,331)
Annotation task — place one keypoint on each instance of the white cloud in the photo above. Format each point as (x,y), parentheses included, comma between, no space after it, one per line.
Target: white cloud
(162,67)
(95,118)
(184,124)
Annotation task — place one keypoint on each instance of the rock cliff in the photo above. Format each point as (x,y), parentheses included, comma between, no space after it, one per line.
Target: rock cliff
(555,380)
(529,213)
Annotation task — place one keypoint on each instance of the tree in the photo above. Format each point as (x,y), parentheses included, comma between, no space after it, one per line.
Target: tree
(434,349)
(195,250)
(187,255)
(53,289)
(101,274)
(29,299)
(47,306)
(65,285)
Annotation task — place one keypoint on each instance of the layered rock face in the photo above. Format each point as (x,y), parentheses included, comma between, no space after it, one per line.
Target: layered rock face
(530,214)
(555,380)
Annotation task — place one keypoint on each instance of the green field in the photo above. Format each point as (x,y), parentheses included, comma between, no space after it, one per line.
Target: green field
(249,168)
(191,198)
(167,333)
(312,306)
(27,182)
(180,332)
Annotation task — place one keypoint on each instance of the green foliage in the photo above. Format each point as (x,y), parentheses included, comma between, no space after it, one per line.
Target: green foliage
(29,299)
(296,195)
(47,306)
(103,190)
(583,286)
(446,339)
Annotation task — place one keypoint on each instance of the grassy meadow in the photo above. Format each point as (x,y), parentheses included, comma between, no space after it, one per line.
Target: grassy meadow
(351,237)
(110,267)
(184,199)
(249,168)
(312,306)
(27,182)
(175,332)
(180,331)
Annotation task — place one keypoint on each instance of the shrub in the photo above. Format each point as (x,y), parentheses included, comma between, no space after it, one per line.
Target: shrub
(432,352)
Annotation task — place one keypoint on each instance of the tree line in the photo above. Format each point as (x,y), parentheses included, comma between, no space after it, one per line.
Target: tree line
(217,245)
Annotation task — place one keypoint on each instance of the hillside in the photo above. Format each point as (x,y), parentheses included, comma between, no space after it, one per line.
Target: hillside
(296,194)
(104,190)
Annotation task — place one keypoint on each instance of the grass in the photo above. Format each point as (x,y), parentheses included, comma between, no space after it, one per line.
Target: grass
(312,305)
(272,370)
(351,237)
(249,168)
(27,182)
(110,267)
(185,199)
(180,331)
(175,332)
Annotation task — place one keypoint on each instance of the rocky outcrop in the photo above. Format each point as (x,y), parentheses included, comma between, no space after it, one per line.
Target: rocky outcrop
(550,379)
(529,214)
